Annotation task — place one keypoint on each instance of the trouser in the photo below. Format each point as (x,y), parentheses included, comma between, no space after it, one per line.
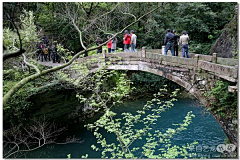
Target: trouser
(53,56)
(38,54)
(49,57)
(185,50)
(176,50)
(112,50)
(126,47)
(169,45)
(42,55)
(58,58)
(133,46)
(99,50)
(45,57)
(109,50)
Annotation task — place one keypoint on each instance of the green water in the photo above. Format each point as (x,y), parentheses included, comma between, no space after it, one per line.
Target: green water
(204,129)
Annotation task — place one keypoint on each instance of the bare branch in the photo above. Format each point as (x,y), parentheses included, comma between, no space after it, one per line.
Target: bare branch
(135,18)
(13,54)
(94,20)
(80,33)
(42,132)
(29,64)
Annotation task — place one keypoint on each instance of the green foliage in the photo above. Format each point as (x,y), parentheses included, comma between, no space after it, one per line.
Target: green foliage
(200,70)
(106,86)
(19,104)
(150,83)
(224,103)
(126,133)
(28,33)
(210,36)
(204,22)
(200,48)
(65,54)
(69,156)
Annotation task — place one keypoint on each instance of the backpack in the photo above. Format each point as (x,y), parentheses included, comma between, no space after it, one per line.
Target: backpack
(45,51)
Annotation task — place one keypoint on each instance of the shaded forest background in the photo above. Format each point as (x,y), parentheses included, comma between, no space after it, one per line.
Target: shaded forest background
(203,21)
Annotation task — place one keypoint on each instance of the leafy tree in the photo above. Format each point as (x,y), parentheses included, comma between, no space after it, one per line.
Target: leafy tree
(222,102)
(27,31)
(104,95)
(125,131)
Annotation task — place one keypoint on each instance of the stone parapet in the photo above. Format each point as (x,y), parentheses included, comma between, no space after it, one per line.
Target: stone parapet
(222,70)
(227,61)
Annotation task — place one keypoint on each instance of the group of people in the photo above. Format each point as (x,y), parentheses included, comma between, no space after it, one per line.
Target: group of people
(172,41)
(47,53)
(129,40)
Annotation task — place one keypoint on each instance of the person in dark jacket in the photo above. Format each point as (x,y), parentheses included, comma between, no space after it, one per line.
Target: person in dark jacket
(168,41)
(99,41)
(46,41)
(54,52)
(39,51)
(175,43)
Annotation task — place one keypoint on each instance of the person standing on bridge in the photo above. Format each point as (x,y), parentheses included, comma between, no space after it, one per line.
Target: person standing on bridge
(114,45)
(168,41)
(175,43)
(126,41)
(184,42)
(54,53)
(133,41)
(99,41)
(109,44)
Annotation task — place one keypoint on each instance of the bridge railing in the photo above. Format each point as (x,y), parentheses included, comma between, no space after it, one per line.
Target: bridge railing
(208,58)
(197,62)
(206,62)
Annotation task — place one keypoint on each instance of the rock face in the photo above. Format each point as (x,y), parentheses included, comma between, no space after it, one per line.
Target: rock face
(226,45)
(61,106)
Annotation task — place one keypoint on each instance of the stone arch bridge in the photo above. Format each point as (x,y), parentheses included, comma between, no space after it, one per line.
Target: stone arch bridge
(196,74)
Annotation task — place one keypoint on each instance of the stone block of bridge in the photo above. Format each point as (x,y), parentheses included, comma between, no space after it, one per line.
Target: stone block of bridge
(226,72)
(123,67)
(227,61)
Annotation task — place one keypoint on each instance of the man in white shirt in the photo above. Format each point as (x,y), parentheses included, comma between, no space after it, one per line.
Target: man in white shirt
(133,41)
(184,42)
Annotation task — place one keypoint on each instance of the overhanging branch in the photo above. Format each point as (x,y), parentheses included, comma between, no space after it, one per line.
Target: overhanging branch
(13,54)
(25,80)
(29,64)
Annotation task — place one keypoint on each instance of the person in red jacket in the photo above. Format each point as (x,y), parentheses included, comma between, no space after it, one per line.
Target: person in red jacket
(109,44)
(126,41)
